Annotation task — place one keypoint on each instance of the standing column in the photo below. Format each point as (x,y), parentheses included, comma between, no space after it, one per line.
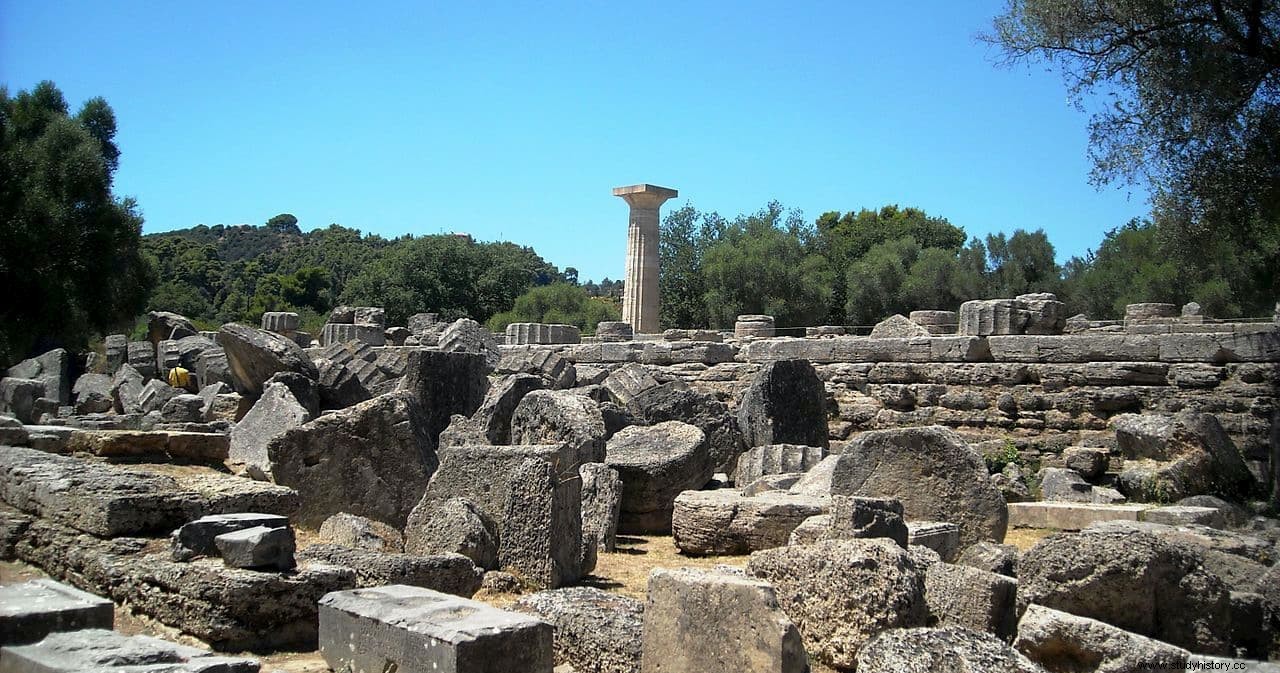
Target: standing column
(640,304)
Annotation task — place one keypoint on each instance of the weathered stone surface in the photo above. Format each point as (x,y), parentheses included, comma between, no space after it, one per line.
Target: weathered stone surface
(614,330)
(163,325)
(841,593)
(898,326)
(676,401)
(229,608)
(1175,515)
(773,482)
(991,557)
(117,350)
(1130,579)
(754,326)
(698,621)
(932,472)
(949,648)
(227,494)
(724,521)
(595,631)
(197,538)
(554,416)
(258,547)
(937,322)
(155,394)
(447,573)
(785,404)
(275,413)
(656,464)
(940,536)
(1090,462)
(373,459)
(342,333)
(34,609)
(415,630)
(18,397)
(444,384)
(556,372)
(1059,484)
(537,513)
(183,408)
(1149,311)
(627,382)
(358,532)
(601,504)
(453,526)
(490,424)
(541,532)
(986,317)
(1069,515)
(1233,514)
(776,459)
(53,369)
(104,650)
(281,322)
(983,601)
(1061,641)
(93,394)
(468,336)
(811,530)
(142,357)
(126,390)
(93,497)
(857,517)
(254,355)
(1168,458)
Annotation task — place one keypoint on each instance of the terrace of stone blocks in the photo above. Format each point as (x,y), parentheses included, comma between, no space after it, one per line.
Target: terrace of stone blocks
(1003,485)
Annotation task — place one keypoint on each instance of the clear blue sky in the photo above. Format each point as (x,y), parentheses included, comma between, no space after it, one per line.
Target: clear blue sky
(514,121)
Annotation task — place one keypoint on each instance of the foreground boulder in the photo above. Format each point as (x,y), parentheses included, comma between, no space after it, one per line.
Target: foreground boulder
(1132,580)
(491,423)
(932,472)
(676,401)
(1060,641)
(357,532)
(785,404)
(950,648)
(595,631)
(254,355)
(452,526)
(841,593)
(275,413)
(102,650)
(468,336)
(724,521)
(373,459)
(656,464)
(699,621)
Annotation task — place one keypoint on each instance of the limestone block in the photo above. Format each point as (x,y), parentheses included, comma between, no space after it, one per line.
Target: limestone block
(939,536)
(595,631)
(656,464)
(357,532)
(1149,311)
(196,538)
(34,609)
(103,650)
(754,326)
(898,326)
(698,621)
(142,357)
(785,404)
(937,322)
(841,593)
(280,322)
(447,573)
(975,599)
(117,349)
(949,648)
(416,630)
(1061,641)
(601,504)
(255,355)
(259,547)
(856,517)
(614,331)
(776,459)
(336,333)
(724,521)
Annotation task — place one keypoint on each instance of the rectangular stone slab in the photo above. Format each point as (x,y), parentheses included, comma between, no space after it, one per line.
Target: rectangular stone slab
(1069,515)
(101,650)
(32,610)
(94,497)
(415,630)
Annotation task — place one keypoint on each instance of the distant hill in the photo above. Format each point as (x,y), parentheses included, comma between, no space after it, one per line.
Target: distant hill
(242,241)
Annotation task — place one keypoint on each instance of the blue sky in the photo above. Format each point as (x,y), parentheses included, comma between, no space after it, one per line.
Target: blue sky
(514,120)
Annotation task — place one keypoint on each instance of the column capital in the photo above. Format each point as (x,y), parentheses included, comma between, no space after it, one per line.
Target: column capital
(645,195)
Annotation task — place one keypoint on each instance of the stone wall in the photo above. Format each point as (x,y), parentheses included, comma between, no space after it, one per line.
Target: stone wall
(1042,392)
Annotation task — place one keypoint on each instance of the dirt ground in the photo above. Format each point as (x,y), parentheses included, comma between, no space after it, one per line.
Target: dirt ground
(624,572)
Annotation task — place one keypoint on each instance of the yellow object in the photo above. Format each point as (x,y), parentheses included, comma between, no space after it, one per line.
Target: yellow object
(179,377)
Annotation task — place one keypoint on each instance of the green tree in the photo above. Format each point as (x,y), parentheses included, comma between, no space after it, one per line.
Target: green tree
(1021,263)
(1190,109)
(558,303)
(686,234)
(761,264)
(70,261)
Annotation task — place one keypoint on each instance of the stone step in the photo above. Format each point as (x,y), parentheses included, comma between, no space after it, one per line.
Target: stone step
(32,610)
(1069,515)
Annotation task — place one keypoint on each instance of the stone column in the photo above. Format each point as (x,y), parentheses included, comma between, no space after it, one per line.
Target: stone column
(640,294)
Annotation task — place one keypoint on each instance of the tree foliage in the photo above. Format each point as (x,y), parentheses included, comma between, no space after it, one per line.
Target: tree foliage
(1190,92)
(69,248)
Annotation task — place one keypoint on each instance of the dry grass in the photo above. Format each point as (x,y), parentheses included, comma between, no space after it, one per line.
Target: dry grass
(626,571)
(1026,538)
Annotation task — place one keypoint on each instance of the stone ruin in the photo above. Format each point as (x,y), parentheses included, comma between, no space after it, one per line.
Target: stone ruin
(368,493)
